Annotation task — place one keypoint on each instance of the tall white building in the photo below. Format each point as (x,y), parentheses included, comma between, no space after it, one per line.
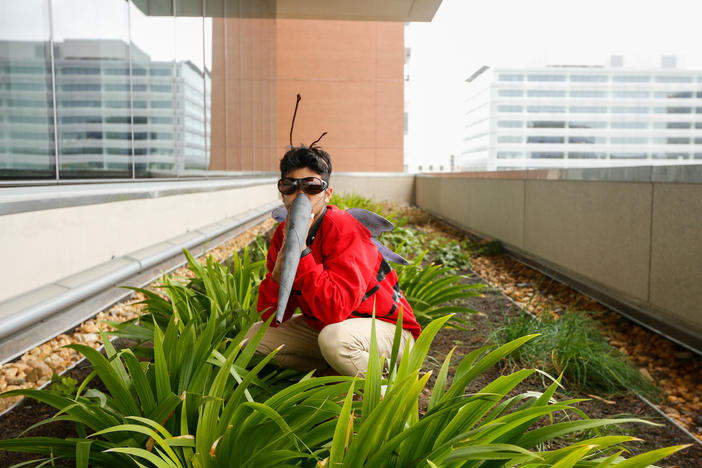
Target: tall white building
(582,116)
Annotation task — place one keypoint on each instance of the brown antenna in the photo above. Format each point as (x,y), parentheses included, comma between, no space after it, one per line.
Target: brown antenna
(317,140)
(292,125)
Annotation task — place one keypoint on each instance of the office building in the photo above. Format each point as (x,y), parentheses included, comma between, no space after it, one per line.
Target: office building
(582,116)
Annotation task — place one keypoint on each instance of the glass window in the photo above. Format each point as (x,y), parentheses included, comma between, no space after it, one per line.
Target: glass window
(672,124)
(698,141)
(190,76)
(677,141)
(545,108)
(153,57)
(587,140)
(510,139)
(27,148)
(588,93)
(629,140)
(510,92)
(630,94)
(510,123)
(672,110)
(673,79)
(545,139)
(116,87)
(628,155)
(671,155)
(81,87)
(92,54)
(545,77)
(547,154)
(546,93)
(628,124)
(698,155)
(546,124)
(509,154)
(698,124)
(587,78)
(77,69)
(81,119)
(509,108)
(631,78)
(674,95)
(588,109)
(586,155)
(586,124)
(630,110)
(161,88)
(511,77)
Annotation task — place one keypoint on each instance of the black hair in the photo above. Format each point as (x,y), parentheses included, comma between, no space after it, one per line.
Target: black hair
(311,157)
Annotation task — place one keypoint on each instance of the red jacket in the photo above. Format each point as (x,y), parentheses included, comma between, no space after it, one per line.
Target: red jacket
(343,277)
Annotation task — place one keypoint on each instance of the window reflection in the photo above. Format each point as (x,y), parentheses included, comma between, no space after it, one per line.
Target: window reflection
(91,60)
(153,55)
(190,79)
(26,98)
(134,88)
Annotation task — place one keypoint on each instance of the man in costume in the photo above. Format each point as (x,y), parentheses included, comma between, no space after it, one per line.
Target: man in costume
(341,279)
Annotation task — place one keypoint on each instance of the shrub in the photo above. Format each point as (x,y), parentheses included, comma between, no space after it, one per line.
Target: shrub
(228,292)
(407,242)
(573,346)
(450,253)
(353,200)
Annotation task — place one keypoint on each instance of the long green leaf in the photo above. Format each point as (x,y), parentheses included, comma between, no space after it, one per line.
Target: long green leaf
(338,446)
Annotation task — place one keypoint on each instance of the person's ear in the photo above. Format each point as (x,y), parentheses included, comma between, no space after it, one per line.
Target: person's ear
(328,194)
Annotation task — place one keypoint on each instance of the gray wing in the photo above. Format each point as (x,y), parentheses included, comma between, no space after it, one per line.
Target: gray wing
(279,214)
(388,254)
(375,223)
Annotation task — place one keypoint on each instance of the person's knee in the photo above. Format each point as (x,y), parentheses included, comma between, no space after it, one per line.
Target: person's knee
(330,340)
(343,350)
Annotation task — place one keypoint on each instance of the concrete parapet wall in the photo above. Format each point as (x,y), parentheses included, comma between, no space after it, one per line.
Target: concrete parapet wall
(637,242)
(377,186)
(41,246)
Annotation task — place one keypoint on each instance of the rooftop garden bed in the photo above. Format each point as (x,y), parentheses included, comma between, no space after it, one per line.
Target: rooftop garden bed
(188,391)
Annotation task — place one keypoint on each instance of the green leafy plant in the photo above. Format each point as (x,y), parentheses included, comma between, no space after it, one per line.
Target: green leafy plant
(430,291)
(573,346)
(230,292)
(449,253)
(259,250)
(189,368)
(484,249)
(217,422)
(487,428)
(353,200)
(63,384)
(407,242)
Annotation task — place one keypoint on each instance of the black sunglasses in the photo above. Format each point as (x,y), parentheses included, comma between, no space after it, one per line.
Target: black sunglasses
(309,185)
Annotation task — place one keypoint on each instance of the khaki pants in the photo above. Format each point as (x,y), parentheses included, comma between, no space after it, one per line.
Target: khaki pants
(344,345)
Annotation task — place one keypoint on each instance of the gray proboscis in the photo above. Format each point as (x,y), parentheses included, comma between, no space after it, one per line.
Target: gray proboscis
(297,225)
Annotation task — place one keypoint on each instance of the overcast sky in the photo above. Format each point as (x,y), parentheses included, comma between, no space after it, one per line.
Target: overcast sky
(466,34)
